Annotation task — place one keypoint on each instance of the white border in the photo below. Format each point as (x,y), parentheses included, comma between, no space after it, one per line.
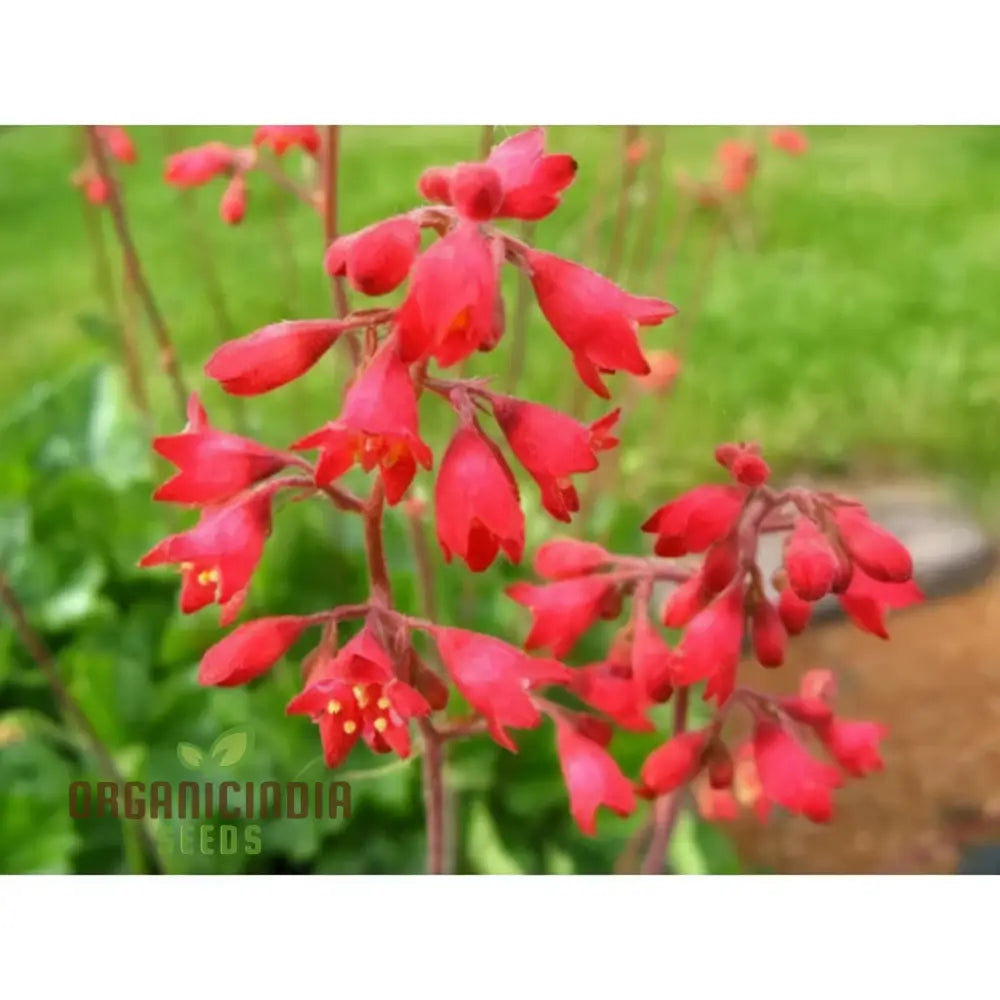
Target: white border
(512,61)
(533,937)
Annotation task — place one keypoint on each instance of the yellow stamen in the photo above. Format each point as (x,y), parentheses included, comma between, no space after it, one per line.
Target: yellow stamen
(350,727)
(380,725)
(361,695)
(383,703)
(207,576)
(333,707)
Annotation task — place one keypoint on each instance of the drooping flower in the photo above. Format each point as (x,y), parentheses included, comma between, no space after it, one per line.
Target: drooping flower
(529,182)
(810,561)
(476,502)
(795,612)
(789,140)
(118,143)
(790,776)
(200,164)
(738,160)
(532,181)
(476,191)
(664,367)
(675,762)
(219,555)
(273,355)
(744,462)
(715,805)
(564,558)
(812,704)
(685,601)
(233,204)
(652,661)
(96,190)
(376,259)
(854,744)
(250,650)
(610,688)
(593,317)
(866,601)
(880,554)
(377,427)
(592,777)
(495,678)
(356,694)
(695,520)
(768,634)
(553,446)
(450,307)
(281,138)
(711,645)
(562,611)
(214,465)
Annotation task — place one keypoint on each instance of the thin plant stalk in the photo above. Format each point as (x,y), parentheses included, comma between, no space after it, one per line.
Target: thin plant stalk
(667,809)
(130,256)
(433,751)
(519,332)
(629,170)
(331,170)
(485,141)
(653,174)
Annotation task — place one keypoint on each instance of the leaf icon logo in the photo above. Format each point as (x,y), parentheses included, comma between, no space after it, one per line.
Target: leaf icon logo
(190,756)
(231,747)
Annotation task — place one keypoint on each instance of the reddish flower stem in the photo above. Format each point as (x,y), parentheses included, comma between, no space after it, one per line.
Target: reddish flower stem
(168,355)
(433,782)
(331,170)
(76,716)
(433,756)
(131,358)
(425,565)
(667,809)
(282,180)
(519,333)
(374,546)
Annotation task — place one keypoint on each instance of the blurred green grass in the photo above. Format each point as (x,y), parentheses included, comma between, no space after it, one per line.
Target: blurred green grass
(860,335)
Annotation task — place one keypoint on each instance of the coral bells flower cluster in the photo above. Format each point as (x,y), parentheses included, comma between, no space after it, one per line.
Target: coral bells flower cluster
(378,674)
(799,751)
(199,165)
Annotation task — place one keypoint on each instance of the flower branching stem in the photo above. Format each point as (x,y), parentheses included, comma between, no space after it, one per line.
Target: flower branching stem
(133,268)
(667,809)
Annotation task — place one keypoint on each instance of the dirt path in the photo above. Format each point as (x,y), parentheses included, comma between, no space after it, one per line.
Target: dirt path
(937,685)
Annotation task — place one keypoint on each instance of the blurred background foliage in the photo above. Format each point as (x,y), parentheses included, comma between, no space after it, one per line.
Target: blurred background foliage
(850,327)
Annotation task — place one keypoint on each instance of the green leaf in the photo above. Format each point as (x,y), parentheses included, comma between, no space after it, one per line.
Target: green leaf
(486,850)
(231,747)
(190,755)
(118,449)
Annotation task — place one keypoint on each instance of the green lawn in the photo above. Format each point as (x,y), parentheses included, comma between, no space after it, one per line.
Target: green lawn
(860,334)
